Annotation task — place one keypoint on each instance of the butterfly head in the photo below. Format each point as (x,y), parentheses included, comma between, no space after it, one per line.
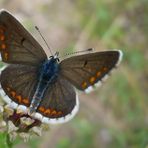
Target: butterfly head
(55,57)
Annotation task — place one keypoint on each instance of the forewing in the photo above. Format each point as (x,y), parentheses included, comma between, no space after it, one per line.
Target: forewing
(86,70)
(60,102)
(17,45)
(18,82)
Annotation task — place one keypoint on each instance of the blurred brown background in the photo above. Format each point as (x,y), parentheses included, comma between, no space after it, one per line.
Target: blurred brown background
(115,115)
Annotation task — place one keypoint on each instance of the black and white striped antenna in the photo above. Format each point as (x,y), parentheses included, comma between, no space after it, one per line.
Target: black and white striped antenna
(77,52)
(44,39)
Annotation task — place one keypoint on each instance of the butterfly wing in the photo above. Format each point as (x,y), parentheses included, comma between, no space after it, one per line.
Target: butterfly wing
(17,46)
(60,102)
(18,83)
(86,70)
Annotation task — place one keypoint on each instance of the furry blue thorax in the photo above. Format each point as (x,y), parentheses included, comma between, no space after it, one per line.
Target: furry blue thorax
(48,70)
(48,73)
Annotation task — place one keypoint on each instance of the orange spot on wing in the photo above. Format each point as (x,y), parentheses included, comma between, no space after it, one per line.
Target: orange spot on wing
(53,112)
(6,56)
(26,101)
(42,109)
(19,98)
(59,113)
(47,111)
(2,37)
(1,30)
(13,93)
(98,74)
(92,80)
(104,69)
(3,46)
(84,85)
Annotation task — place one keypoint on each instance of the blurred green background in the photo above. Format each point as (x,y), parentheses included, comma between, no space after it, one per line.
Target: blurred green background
(115,115)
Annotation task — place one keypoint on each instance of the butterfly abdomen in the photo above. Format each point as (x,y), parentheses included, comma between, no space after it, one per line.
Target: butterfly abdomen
(48,73)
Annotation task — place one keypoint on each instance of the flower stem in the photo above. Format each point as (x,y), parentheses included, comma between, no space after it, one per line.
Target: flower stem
(8,141)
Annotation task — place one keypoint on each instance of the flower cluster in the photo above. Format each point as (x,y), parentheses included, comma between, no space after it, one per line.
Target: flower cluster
(17,123)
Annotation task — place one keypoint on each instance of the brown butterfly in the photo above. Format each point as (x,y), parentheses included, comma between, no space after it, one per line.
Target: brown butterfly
(42,87)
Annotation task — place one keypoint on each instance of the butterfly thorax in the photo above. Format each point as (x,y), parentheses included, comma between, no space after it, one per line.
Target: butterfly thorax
(48,72)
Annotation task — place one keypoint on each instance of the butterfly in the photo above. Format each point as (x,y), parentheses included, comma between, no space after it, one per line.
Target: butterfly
(45,87)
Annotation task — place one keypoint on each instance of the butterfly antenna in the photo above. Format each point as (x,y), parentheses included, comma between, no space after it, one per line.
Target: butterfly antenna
(44,39)
(77,52)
